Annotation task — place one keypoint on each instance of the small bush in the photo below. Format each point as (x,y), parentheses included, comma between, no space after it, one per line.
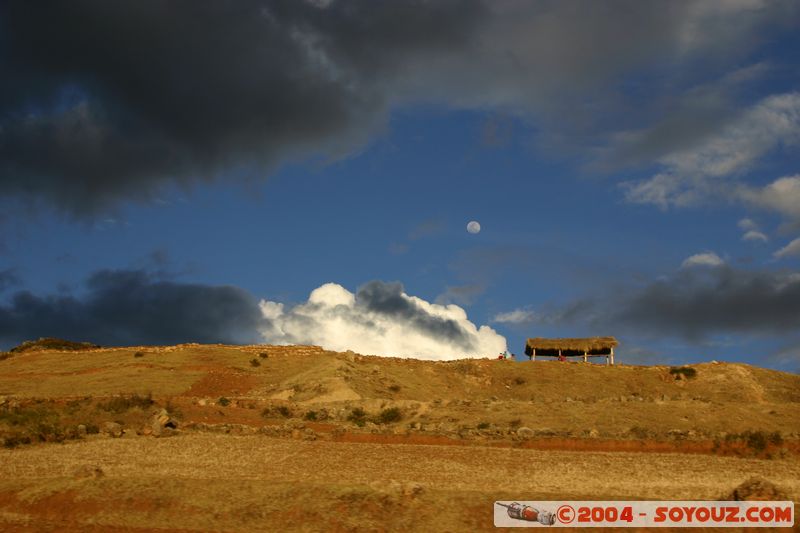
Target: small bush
(310,415)
(390,415)
(358,416)
(139,354)
(775,438)
(520,380)
(756,440)
(5,355)
(483,425)
(92,429)
(263,355)
(255,362)
(49,343)
(515,423)
(224,402)
(394,388)
(121,404)
(683,372)
(283,411)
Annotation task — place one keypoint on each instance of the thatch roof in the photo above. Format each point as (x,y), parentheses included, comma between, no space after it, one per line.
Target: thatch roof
(588,344)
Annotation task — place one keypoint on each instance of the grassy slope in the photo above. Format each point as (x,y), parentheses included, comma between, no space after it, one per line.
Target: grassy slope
(202,481)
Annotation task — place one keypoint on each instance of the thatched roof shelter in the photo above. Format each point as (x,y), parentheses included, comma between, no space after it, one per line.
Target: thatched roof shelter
(586,347)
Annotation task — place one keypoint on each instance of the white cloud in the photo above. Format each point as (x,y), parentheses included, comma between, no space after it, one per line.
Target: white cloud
(517,316)
(696,173)
(380,319)
(781,196)
(747,224)
(793,248)
(706,259)
(751,230)
(755,236)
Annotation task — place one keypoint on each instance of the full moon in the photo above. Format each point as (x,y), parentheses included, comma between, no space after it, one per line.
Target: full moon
(473,227)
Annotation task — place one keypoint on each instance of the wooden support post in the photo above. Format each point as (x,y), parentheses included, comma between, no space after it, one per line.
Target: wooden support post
(612,356)
(533,357)
(585,358)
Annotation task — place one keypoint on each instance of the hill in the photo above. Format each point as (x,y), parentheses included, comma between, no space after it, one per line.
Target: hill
(380,443)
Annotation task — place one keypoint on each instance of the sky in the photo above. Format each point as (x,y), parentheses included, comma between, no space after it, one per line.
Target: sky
(303,172)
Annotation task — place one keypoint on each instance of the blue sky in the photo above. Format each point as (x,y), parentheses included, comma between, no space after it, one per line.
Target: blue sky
(629,182)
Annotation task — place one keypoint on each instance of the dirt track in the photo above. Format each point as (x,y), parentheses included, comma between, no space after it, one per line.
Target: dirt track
(222,482)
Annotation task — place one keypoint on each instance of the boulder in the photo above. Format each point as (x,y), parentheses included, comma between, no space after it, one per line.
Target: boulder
(113,429)
(526,433)
(758,489)
(88,472)
(162,424)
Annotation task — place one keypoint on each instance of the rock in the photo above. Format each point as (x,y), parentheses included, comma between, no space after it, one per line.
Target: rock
(412,490)
(526,433)
(113,429)
(88,472)
(81,430)
(202,402)
(757,489)
(160,422)
(593,433)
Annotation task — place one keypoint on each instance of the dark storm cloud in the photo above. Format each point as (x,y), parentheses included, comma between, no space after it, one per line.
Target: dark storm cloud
(106,101)
(694,304)
(129,307)
(387,299)
(8,278)
(102,101)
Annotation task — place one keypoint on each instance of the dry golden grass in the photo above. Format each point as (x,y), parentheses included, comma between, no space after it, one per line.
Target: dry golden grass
(202,481)
(211,482)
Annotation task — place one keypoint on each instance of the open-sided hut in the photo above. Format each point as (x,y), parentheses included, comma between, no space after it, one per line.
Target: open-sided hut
(588,347)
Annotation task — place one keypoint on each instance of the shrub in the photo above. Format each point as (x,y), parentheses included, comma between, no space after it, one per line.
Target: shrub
(139,354)
(223,401)
(120,404)
(5,355)
(394,388)
(775,438)
(92,429)
(358,416)
(515,423)
(283,411)
(389,415)
(483,425)
(255,362)
(520,380)
(310,415)
(756,440)
(49,343)
(683,372)
(263,355)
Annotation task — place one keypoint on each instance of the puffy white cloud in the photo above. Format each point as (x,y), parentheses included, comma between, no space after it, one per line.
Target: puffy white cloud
(380,319)
(752,232)
(793,248)
(755,236)
(706,259)
(781,196)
